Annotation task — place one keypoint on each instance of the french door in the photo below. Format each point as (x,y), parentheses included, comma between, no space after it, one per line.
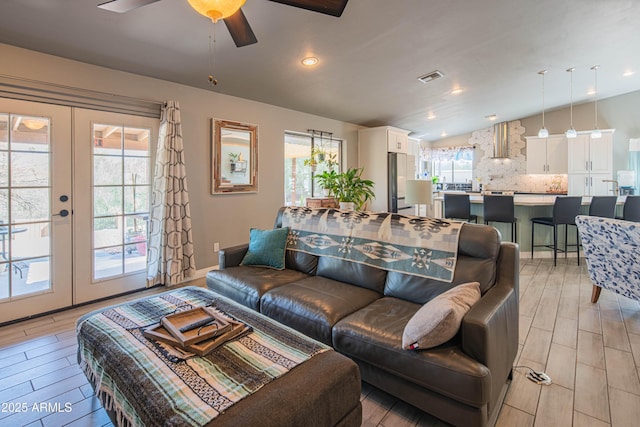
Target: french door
(74,205)
(112,184)
(35,208)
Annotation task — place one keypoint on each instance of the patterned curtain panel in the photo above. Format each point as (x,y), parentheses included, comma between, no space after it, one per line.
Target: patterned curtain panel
(170,237)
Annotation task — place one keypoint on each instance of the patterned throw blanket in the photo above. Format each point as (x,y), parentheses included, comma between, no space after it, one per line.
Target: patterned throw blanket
(146,385)
(426,247)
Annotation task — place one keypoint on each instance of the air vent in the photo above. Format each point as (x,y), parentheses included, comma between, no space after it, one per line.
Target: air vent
(434,75)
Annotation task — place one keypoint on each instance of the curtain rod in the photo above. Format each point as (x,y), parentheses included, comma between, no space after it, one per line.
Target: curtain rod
(88,91)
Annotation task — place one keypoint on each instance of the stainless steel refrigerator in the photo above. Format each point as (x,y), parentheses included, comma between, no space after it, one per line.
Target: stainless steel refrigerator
(400,169)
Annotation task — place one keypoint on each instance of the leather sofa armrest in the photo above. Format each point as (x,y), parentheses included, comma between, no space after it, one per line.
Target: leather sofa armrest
(232,256)
(490,329)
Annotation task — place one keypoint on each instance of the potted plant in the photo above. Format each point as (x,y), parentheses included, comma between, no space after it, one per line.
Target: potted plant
(351,189)
(327,180)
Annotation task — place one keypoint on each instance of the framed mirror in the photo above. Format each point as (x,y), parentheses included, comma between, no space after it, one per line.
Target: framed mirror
(235,157)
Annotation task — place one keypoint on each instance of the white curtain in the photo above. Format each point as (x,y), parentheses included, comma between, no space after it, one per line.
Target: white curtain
(170,237)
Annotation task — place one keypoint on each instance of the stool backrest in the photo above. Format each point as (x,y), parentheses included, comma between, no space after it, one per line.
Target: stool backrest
(631,210)
(457,206)
(604,206)
(565,209)
(499,208)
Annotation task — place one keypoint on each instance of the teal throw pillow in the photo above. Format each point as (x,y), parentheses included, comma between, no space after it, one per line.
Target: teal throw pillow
(267,248)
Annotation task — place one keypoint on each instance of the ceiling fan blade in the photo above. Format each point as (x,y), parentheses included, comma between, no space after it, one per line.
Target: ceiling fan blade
(240,30)
(328,7)
(122,6)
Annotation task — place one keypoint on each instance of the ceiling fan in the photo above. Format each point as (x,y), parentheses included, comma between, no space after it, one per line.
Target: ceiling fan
(236,23)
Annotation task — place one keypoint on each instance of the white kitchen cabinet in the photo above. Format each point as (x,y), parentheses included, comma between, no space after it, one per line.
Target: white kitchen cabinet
(547,155)
(591,164)
(374,146)
(397,140)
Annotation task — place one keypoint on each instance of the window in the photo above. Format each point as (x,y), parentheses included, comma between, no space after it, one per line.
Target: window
(306,155)
(452,165)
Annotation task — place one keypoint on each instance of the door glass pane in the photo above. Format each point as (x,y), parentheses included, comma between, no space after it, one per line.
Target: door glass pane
(107,262)
(107,231)
(121,181)
(107,170)
(29,204)
(25,187)
(107,201)
(4,131)
(29,169)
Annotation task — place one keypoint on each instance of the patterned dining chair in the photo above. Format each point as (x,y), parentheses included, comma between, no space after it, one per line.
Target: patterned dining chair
(612,251)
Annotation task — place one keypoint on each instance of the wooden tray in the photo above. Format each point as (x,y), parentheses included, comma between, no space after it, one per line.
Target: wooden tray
(160,333)
(196,325)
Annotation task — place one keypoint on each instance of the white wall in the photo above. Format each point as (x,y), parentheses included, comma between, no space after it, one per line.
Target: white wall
(222,218)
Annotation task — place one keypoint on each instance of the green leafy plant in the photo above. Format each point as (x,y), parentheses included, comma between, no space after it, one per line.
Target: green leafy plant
(351,187)
(328,180)
(234,157)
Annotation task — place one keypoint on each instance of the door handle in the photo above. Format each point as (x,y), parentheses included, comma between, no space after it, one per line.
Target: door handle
(62,213)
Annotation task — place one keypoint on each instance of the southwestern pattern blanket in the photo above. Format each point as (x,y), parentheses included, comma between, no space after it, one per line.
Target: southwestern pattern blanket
(415,245)
(145,385)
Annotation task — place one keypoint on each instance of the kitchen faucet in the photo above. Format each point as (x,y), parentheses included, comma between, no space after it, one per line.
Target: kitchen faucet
(616,189)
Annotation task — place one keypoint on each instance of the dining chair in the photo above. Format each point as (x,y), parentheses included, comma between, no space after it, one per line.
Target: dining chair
(631,209)
(565,210)
(501,209)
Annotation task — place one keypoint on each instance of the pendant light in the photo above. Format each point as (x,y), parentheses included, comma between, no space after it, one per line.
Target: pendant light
(543,132)
(595,133)
(571,132)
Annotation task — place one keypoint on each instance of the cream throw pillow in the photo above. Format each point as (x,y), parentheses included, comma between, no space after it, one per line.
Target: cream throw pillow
(439,319)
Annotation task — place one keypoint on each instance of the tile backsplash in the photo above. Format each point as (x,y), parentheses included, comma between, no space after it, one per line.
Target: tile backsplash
(511,173)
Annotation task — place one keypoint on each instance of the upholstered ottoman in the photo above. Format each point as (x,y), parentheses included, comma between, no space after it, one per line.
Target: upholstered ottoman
(271,376)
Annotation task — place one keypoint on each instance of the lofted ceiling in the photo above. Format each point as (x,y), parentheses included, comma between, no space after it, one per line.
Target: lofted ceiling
(370,58)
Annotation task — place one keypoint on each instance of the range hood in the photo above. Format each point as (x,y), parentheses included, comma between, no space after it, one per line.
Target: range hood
(501,141)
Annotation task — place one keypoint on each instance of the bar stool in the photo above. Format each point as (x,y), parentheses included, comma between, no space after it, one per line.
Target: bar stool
(501,209)
(458,206)
(565,210)
(603,206)
(631,209)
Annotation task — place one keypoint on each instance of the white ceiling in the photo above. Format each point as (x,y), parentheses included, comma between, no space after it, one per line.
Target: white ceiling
(370,58)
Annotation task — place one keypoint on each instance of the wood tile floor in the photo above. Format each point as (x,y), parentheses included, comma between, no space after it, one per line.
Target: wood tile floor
(591,351)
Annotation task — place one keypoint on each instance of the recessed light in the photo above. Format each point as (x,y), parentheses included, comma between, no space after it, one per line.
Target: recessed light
(456,91)
(443,134)
(310,61)
(628,73)
(591,92)
(431,116)
(492,117)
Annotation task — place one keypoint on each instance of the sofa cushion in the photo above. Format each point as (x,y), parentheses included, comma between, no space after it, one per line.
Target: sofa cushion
(301,261)
(247,284)
(439,320)
(374,334)
(313,305)
(352,272)
(267,248)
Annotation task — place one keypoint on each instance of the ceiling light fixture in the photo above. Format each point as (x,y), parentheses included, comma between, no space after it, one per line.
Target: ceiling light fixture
(543,132)
(628,73)
(216,9)
(595,133)
(34,124)
(571,132)
(431,116)
(443,134)
(491,117)
(310,61)
(456,91)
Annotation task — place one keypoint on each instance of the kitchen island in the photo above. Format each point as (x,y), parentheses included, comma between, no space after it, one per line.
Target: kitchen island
(527,206)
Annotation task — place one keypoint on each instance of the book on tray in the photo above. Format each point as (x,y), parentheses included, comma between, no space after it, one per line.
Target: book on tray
(199,330)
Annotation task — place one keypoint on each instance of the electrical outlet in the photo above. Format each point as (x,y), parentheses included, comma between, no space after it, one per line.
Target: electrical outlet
(216,247)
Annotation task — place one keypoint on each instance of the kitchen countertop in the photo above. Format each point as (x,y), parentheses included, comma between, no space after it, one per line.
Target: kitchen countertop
(530,199)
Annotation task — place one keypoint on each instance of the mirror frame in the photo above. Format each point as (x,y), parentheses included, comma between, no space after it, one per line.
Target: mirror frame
(216,150)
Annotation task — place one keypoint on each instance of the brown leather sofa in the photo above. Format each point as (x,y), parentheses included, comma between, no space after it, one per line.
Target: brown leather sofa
(362,311)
